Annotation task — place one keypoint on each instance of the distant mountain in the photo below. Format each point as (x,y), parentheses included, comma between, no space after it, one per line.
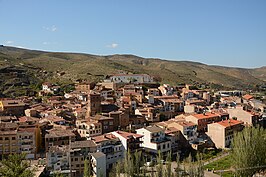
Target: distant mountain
(38,66)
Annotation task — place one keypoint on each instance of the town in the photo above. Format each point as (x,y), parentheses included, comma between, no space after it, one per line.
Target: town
(101,122)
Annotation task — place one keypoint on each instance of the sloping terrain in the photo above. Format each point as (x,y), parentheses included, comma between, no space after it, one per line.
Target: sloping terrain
(38,66)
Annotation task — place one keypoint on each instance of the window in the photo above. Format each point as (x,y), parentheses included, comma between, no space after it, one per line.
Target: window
(6,138)
(13,138)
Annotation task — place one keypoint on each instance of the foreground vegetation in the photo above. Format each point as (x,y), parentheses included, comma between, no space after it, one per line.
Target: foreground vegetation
(16,166)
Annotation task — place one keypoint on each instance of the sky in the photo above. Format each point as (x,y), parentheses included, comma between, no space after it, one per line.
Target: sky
(215,32)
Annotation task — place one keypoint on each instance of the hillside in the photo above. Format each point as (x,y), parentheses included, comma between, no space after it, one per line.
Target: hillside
(37,66)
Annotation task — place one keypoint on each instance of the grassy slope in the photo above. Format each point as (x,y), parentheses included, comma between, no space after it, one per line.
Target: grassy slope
(96,67)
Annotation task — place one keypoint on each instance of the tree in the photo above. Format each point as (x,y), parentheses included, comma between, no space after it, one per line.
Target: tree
(129,165)
(87,168)
(159,166)
(248,151)
(195,167)
(16,166)
(168,169)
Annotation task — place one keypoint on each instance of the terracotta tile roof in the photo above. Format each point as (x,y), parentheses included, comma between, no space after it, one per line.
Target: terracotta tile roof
(170,130)
(207,115)
(29,129)
(81,144)
(186,124)
(104,137)
(12,103)
(28,119)
(230,122)
(154,129)
(8,125)
(247,97)
(57,132)
(127,135)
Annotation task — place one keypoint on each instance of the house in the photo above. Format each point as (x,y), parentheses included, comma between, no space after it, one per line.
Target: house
(84,86)
(221,133)
(202,120)
(188,129)
(49,88)
(12,107)
(107,122)
(173,135)
(79,151)
(149,114)
(131,78)
(58,137)
(8,138)
(111,146)
(27,141)
(87,128)
(153,91)
(130,141)
(154,139)
(249,118)
(58,160)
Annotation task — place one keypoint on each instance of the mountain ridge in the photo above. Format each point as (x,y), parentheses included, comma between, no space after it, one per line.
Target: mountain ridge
(68,67)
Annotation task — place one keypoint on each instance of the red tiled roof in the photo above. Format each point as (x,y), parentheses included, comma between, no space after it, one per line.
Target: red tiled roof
(127,135)
(104,137)
(247,97)
(186,124)
(170,130)
(206,115)
(230,122)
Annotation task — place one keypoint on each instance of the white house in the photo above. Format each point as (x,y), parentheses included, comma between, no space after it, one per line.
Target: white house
(154,139)
(131,78)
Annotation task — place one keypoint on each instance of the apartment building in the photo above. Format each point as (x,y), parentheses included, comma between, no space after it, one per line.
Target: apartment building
(111,146)
(202,120)
(8,138)
(131,78)
(12,107)
(130,141)
(154,139)
(107,123)
(58,160)
(98,160)
(249,118)
(79,151)
(58,137)
(222,133)
(87,128)
(27,141)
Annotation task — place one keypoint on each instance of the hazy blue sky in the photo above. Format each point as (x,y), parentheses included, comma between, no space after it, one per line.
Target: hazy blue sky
(221,32)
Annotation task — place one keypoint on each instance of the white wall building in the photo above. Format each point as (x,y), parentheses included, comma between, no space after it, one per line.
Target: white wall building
(98,164)
(154,139)
(131,78)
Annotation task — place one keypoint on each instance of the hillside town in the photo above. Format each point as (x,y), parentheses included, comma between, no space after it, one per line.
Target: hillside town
(103,121)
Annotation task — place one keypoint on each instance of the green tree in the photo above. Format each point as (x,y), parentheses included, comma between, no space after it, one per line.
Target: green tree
(168,169)
(129,165)
(16,166)
(248,151)
(159,166)
(87,168)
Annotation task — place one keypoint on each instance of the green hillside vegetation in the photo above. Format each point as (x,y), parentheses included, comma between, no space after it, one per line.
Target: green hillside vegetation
(68,67)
